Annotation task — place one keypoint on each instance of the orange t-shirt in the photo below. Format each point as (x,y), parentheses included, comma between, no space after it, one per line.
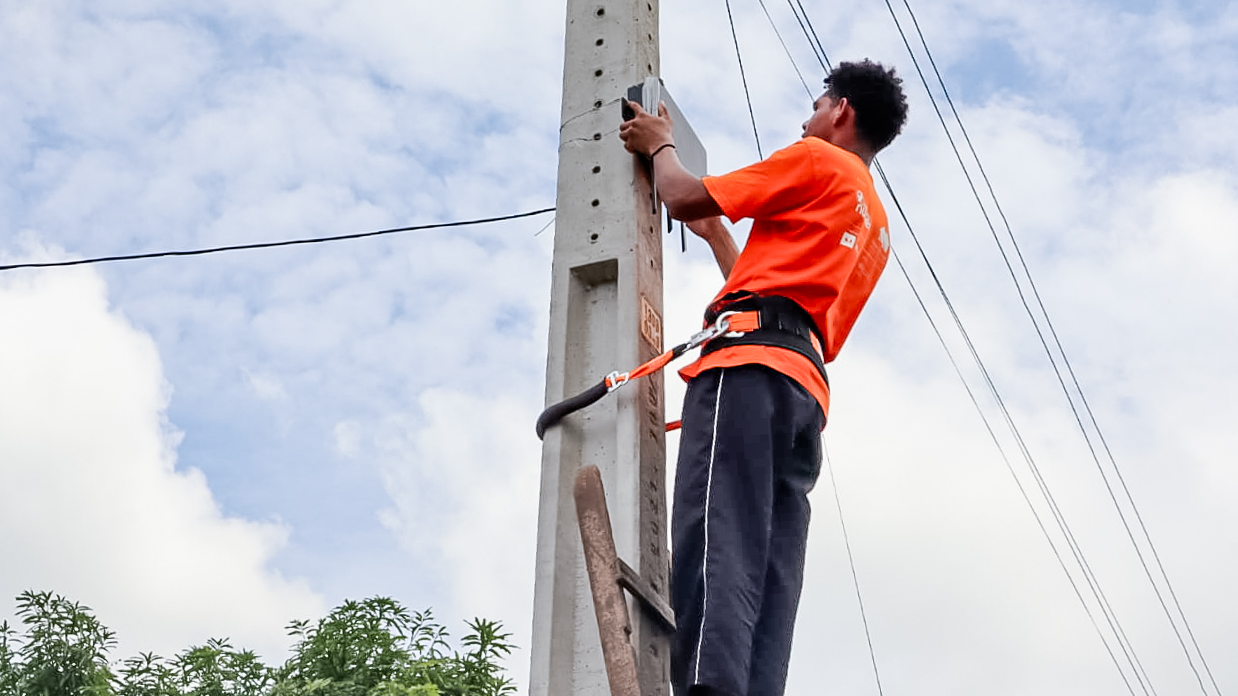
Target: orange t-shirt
(819,237)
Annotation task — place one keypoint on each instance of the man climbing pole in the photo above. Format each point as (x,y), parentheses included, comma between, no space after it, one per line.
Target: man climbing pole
(756,402)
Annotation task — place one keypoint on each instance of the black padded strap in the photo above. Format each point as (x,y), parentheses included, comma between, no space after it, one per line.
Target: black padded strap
(784,324)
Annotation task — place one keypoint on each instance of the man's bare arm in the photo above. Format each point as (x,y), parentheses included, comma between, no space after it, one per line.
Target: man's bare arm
(720,241)
(682,191)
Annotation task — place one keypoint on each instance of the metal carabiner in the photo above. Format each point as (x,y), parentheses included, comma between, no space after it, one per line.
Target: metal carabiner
(719,327)
(616,379)
(724,327)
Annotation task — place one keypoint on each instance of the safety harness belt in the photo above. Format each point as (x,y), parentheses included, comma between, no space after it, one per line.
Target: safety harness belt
(767,321)
(736,319)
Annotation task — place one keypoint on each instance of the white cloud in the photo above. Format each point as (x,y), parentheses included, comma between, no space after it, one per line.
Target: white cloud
(960,589)
(92,505)
(266,387)
(137,125)
(461,474)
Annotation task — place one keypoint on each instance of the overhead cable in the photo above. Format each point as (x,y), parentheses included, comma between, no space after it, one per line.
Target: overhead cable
(744,78)
(785,49)
(1075,380)
(1102,600)
(1010,467)
(1063,527)
(269,245)
(1048,323)
(814,41)
(810,33)
(855,578)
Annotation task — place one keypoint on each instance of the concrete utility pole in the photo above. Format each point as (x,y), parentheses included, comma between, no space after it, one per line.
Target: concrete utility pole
(606,314)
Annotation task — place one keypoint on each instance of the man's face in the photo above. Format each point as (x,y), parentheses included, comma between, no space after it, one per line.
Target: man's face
(821,123)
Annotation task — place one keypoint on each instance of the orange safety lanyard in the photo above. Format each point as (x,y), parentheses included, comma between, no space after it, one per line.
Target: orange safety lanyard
(727,324)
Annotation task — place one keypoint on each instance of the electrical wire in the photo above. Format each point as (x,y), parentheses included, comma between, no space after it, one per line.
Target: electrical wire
(872,654)
(810,33)
(546,226)
(1064,527)
(1061,350)
(270,245)
(1071,372)
(744,78)
(785,49)
(1111,618)
(817,51)
(1023,450)
(1010,467)
(855,578)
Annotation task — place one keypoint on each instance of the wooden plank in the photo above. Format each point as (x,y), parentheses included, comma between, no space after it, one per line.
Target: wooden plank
(603,566)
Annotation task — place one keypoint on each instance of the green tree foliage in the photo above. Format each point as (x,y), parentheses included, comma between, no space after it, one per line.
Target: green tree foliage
(8,662)
(214,669)
(377,647)
(374,647)
(64,650)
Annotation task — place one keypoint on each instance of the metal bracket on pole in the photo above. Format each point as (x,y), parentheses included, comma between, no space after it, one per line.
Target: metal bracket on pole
(688,146)
(608,577)
(640,588)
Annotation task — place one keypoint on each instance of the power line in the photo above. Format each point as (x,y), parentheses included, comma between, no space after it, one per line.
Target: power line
(1075,380)
(1112,619)
(1063,527)
(1010,467)
(785,49)
(811,35)
(855,578)
(744,78)
(837,499)
(270,245)
(1061,350)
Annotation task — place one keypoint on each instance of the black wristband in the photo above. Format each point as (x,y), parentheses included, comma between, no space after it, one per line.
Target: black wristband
(661,148)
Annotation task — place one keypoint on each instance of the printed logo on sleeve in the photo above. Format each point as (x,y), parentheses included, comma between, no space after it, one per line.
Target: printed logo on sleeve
(862,208)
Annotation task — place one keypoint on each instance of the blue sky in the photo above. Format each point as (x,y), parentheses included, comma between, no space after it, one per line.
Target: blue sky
(218,445)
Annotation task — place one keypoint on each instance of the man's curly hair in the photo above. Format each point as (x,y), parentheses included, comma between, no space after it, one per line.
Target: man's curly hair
(876,94)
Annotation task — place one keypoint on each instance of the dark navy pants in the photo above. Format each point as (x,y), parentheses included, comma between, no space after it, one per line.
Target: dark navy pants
(750,451)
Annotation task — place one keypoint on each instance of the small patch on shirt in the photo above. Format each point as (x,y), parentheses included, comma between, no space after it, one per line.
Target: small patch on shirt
(848,240)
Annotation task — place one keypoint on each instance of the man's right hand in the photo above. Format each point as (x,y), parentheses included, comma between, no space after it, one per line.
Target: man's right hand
(644,133)
(682,191)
